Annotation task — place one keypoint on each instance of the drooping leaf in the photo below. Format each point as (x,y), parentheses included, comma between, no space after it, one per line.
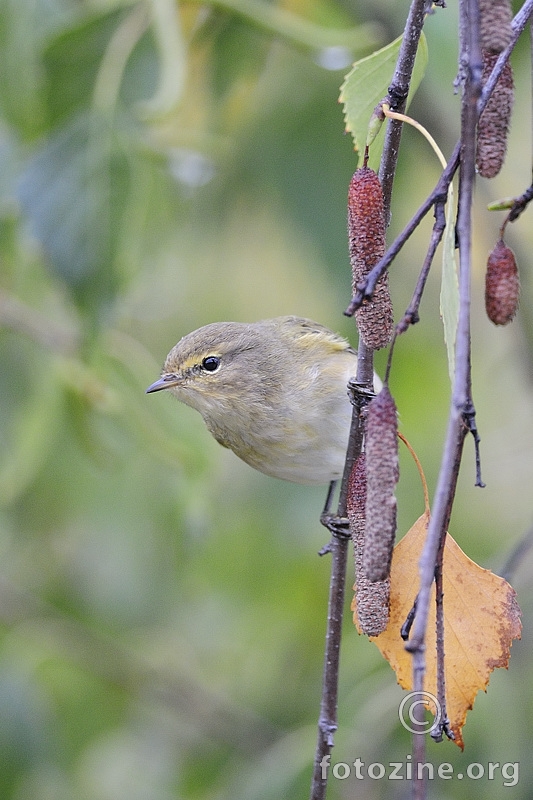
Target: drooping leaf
(367,83)
(449,290)
(69,90)
(72,193)
(21,35)
(481,619)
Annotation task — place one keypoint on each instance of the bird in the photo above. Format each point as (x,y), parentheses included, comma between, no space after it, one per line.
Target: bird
(275,392)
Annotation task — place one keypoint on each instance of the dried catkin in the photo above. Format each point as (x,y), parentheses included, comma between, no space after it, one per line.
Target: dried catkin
(495,24)
(366,236)
(502,285)
(371,601)
(493,125)
(381,478)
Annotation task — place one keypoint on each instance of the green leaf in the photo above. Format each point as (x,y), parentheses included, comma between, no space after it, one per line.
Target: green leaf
(449,290)
(108,55)
(367,84)
(30,419)
(239,52)
(73,193)
(21,102)
(71,63)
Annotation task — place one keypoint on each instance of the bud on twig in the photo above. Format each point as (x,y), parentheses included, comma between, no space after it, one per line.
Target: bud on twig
(493,125)
(382,476)
(371,601)
(502,285)
(366,236)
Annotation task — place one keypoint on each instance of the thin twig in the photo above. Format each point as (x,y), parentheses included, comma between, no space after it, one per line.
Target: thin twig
(456,431)
(327,723)
(411,316)
(469,419)
(518,24)
(439,193)
(443,723)
(419,786)
(338,547)
(364,380)
(516,555)
(397,95)
(436,733)
(519,205)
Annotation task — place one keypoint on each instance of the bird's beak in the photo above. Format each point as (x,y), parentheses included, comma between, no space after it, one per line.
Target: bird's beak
(164,382)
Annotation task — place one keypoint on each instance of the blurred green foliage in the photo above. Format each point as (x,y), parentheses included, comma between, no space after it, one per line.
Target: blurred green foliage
(162,607)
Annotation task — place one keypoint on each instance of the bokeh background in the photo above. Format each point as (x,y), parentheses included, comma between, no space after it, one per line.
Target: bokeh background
(162,606)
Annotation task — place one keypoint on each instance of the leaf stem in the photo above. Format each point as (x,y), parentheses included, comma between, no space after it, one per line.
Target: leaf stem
(420,471)
(420,128)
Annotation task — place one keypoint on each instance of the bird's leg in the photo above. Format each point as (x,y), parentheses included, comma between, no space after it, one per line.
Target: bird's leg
(337,526)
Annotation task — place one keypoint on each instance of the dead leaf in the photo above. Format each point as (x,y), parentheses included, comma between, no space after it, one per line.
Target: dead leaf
(481,619)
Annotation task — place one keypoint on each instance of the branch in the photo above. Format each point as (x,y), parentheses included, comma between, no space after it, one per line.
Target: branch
(439,194)
(519,551)
(518,24)
(364,380)
(456,431)
(411,315)
(397,96)
(443,725)
(327,722)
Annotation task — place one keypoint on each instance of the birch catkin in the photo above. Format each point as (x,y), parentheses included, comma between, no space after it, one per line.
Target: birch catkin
(366,237)
(493,125)
(371,601)
(502,285)
(495,29)
(495,33)
(381,447)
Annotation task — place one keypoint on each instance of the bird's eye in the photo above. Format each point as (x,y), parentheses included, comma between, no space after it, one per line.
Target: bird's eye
(211,363)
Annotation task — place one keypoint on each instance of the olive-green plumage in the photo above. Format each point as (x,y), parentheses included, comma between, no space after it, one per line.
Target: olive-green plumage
(274,392)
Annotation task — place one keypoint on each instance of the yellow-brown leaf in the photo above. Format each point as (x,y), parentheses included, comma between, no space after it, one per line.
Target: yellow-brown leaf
(481,619)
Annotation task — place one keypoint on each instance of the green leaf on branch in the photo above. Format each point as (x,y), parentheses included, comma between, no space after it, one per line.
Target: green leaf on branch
(367,84)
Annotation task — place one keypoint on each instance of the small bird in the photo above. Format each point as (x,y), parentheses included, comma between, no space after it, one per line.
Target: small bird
(275,392)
